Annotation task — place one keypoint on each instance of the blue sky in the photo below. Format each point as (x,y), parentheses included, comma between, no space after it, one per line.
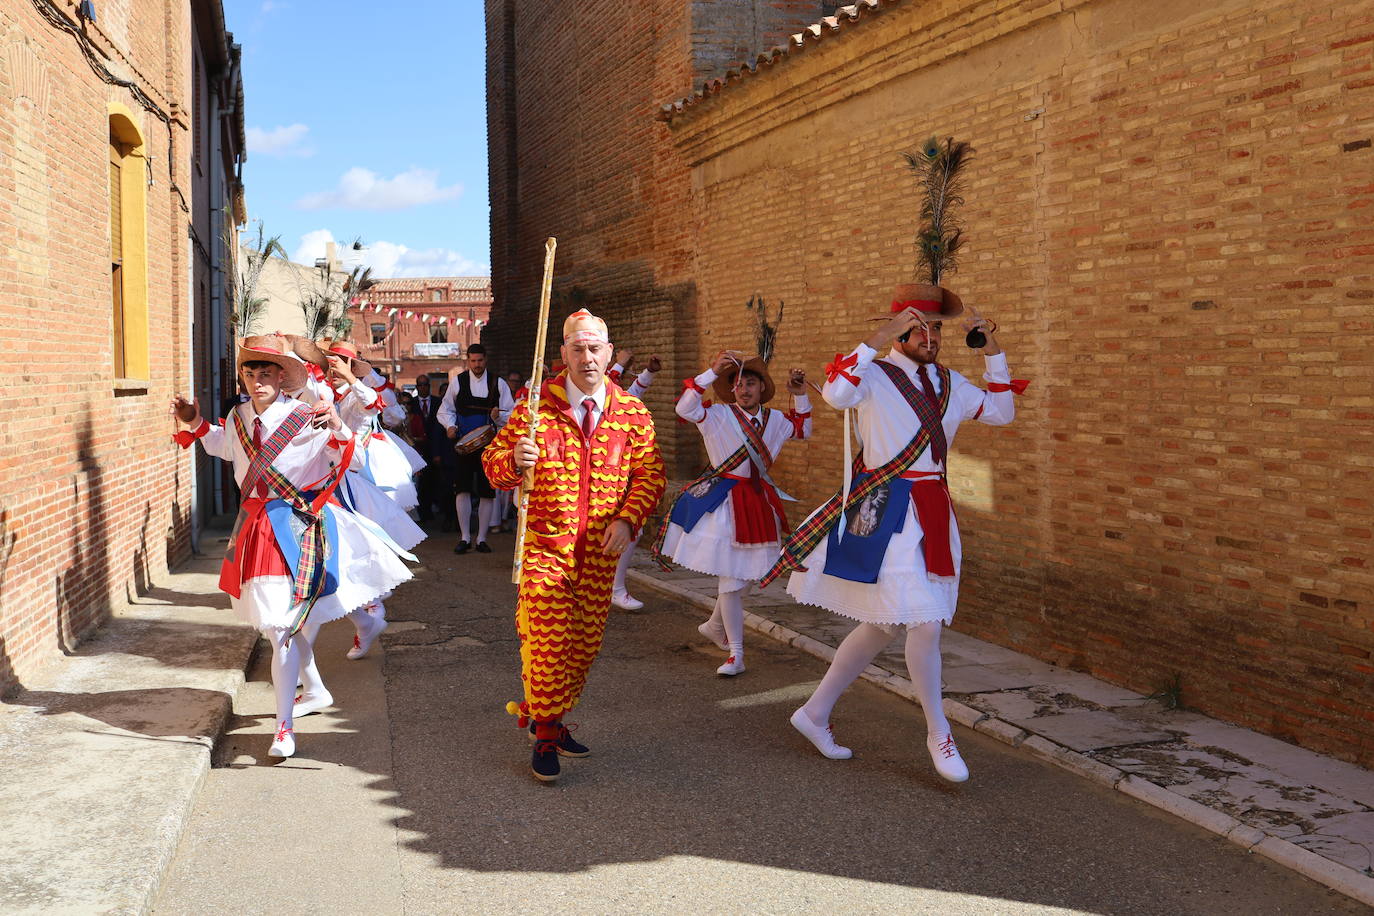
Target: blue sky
(368,120)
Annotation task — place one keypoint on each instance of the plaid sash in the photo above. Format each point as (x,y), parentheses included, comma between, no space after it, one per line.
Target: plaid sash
(754,436)
(313,538)
(805,538)
(734,460)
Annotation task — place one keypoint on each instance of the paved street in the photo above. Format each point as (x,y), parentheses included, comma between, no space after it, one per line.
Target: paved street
(415,795)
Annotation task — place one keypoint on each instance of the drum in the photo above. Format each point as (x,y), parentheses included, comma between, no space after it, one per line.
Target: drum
(476,440)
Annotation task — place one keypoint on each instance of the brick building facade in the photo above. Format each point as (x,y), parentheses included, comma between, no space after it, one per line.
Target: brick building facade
(407,348)
(116,179)
(1171,222)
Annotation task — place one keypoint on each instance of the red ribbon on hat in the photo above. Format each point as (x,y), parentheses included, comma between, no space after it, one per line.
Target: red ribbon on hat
(840,365)
(920,305)
(1017,386)
(315,372)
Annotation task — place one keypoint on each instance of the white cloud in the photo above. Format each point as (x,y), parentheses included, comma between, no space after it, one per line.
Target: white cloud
(362,189)
(280,141)
(390,260)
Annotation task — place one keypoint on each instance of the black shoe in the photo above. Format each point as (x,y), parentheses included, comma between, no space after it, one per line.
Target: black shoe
(461,547)
(483,547)
(566,744)
(544,763)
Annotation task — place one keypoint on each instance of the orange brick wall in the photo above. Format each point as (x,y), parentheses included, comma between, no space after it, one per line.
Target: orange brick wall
(94,499)
(576,153)
(1175,228)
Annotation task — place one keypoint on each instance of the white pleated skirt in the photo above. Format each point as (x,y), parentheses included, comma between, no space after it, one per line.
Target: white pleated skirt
(391,469)
(710,547)
(904,592)
(368,569)
(374,504)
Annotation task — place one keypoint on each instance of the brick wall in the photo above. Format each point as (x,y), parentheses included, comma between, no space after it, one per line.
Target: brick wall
(1173,226)
(94,499)
(576,153)
(729,33)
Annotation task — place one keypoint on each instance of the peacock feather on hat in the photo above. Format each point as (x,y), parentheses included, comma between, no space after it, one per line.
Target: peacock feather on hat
(939,171)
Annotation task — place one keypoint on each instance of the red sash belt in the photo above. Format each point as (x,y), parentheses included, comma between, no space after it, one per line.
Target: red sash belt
(253,551)
(930,499)
(757,509)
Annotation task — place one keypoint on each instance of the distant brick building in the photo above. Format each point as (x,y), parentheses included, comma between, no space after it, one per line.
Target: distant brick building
(1169,217)
(119,145)
(407,347)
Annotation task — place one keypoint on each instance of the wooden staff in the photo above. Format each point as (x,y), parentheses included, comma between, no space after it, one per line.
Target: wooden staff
(536,382)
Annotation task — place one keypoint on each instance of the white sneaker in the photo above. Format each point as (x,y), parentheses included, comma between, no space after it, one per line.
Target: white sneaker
(819,735)
(716,634)
(626,602)
(945,754)
(305,705)
(284,745)
(361,644)
(733,665)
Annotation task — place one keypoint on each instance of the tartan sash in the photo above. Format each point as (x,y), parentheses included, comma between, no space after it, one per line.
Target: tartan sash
(754,436)
(734,460)
(807,536)
(312,536)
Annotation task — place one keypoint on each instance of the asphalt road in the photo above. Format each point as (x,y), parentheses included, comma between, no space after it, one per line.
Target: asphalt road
(415,796)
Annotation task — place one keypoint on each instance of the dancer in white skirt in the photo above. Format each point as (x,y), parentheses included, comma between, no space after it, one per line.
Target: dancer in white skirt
(620,595)
(729,522)
(359,407)
(295,558)
(892,560)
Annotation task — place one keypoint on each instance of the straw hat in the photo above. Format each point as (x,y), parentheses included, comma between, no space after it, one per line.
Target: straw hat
(724,385)
(344,349)
(308,350)
(930,301)
(273,348)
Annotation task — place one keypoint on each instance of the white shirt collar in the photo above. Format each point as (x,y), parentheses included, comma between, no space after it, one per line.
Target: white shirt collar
(906,363)
(576,395)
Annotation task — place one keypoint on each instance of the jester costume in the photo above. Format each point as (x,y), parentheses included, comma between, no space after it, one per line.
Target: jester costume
(581,485)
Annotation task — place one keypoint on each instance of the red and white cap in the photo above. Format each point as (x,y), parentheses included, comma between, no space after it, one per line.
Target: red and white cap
(582,326)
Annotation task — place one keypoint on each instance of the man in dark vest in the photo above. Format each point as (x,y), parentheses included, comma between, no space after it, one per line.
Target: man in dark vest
(474,399)
(429,483)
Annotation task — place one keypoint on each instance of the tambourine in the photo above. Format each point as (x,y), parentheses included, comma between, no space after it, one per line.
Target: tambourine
(476,440)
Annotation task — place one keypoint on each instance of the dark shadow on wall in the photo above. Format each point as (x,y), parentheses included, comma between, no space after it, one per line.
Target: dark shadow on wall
(8,538)
(81,587)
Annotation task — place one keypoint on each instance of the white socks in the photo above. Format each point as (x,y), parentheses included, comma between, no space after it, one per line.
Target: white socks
(286,668)
(730,606)
(855,653)
(622,566)
(923,667)
(485,508)
(312,685)
(463,504)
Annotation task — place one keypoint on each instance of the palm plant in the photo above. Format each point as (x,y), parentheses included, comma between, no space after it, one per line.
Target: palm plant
(249,262)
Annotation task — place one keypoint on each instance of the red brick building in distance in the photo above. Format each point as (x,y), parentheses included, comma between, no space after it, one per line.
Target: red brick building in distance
(404,348)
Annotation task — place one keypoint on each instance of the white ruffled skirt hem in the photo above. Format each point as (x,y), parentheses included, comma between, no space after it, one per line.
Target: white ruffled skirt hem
(706,549)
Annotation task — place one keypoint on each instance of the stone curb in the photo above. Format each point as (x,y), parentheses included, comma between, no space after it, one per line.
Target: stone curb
(1340,878)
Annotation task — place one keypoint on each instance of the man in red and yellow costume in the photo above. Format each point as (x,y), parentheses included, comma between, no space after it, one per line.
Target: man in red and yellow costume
(598,475)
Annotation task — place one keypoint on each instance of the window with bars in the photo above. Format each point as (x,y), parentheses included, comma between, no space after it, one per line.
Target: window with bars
(378,333)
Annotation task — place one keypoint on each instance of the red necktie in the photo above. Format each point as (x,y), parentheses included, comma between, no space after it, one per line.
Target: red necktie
(260,490)
(938,447)
(588,421)
(754,468)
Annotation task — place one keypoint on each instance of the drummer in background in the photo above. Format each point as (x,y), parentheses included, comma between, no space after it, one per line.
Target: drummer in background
(474,399)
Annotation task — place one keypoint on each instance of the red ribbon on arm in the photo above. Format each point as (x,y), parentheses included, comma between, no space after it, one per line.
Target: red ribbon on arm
(690,384)
(1017,386)
(186,437)
(840,366)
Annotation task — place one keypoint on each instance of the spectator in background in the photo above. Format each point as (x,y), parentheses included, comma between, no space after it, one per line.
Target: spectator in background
(429,483)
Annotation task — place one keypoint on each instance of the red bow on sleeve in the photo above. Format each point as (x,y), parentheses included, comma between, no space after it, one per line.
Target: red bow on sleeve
(1017,386)
(840,366)
(691,384)
(186,437)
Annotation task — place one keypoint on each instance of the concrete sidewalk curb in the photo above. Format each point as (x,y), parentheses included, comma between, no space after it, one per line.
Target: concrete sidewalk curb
(106,751)
(1340,878)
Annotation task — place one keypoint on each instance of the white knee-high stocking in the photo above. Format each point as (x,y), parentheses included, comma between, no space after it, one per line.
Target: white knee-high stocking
(622,566)
(855,653)
(463,504)
(730,606)
(286,668)
(312,684)
(923,667)
(484,512)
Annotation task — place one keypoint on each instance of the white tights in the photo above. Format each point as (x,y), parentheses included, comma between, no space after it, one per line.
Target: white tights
(463,503)
(620,568)
(290,664)
(857,652)
(730,611)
